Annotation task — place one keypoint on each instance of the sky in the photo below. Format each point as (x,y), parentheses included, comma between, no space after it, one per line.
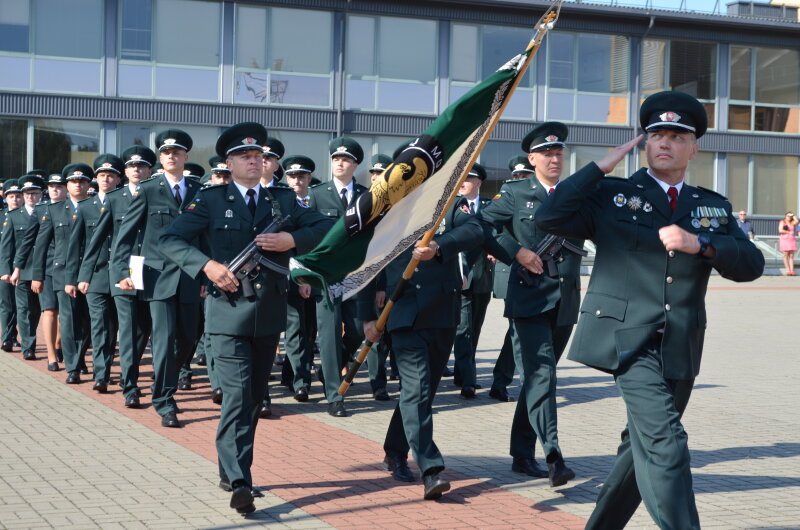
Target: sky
(706,6)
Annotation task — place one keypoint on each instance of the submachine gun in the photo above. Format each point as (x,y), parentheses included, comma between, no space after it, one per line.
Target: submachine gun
(549,250)
(248,262)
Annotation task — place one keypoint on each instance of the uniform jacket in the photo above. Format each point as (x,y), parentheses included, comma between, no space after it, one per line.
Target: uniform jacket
(151,212)
(99,243)
(89,211)
(14,252)
(480,271)
(55,223)
(324,199)
(221,214)
(431,298)
(512,213)
(637,287)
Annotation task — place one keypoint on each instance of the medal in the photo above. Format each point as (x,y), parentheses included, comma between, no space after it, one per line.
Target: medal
(723,220)
(634,203)
(714,222)
(619,200)
(647,207)
(228,213)
(704,222)
(696,222)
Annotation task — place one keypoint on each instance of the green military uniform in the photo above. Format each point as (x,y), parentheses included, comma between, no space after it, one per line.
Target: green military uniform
(643,318)
(336,349)
(133,313)
(18,254)
(173,296)
(48,301)
(102,311)
(55,224)
(422,326)
(244,330)
(8,304)
(542,311)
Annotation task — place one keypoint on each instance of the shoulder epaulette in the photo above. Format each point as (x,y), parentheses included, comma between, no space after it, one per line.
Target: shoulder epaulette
(320,184)
(211,187)
(117,190)
(712,192)
(509,181)
(86,199)
(617,179)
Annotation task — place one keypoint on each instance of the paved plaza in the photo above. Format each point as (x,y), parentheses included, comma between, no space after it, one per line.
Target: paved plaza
(71,458)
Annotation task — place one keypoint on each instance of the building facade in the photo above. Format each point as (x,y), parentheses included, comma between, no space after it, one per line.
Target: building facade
(81,77)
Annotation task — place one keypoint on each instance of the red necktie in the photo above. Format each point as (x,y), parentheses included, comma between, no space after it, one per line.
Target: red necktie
(551,190)
(673,197)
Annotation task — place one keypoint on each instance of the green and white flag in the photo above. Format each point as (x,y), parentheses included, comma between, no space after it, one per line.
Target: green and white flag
(412,194)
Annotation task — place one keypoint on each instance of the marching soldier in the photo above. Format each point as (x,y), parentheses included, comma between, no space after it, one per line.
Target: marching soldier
(133,313)
(542,308)
(476,293)
(332,199)
(8,307)
(244,330)
(422,326)
(173,297)
(643,317)
(55,224)
(18,262)
(102,312)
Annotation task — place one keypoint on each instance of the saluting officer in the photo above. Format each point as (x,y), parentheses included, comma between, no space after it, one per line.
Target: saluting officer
(173,296)
(55,223)
(18,262)
(244,330)
(133,313)
(542,308)
(8,307)
(643,317)
(332,199)
(102,312)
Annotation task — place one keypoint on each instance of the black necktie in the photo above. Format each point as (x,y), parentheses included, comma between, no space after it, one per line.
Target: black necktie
(178,198)
(344,198)
(251,202)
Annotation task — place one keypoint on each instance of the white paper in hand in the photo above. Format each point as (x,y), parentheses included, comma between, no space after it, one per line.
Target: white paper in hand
(136,266)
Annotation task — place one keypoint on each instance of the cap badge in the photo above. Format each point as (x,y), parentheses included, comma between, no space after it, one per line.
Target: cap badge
(266,149)
(77,173)
(341,148)
(248,141)
(222,166)
(551,138)
(169,141)
(186,172)
(296,166)
(670,116)
(136,157)
(619,200)
(106,164)
(378,165)
(519,167)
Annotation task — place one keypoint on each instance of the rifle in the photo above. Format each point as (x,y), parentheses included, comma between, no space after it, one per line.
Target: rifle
(248,262)
(549,250)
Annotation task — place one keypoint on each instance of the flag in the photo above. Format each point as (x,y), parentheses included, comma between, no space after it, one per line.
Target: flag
(411,196)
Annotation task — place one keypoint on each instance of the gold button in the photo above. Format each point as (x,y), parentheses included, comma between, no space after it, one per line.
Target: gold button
(597,312)
(671,253)
(667,307)
(669,279)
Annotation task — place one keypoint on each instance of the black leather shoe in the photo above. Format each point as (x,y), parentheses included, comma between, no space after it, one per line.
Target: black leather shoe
(184,384)
(501,394)
(447,372)
(216,396)
(84,370)
(266,410)
(468,392)
(53,367)
(336,409)
(28,355)
(7,346)
(434,486)
(100,386)
(170,420)
(559,473)
(224,485)
(528,466)
(73,378)
(399,468)
(132,401)
(301,395)
(201,360)
(381,395)
(242,498)
(59,355)
(279,359)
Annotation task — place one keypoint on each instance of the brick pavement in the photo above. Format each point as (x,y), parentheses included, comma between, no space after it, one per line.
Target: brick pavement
(61,463)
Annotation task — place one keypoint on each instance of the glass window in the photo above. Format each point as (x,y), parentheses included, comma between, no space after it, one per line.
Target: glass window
(129,134)
(778,76)
(740,73)
(136,20)
(57,143)
(588,78)
(186,83)
(14,26)
(774,184)
(69,29)
(16,73)
(272,66)
(52,75)
(464,53)
(187,40)
(391,77)
(13,147)
(738,192)
(701,170)
(583,154)
(135,80)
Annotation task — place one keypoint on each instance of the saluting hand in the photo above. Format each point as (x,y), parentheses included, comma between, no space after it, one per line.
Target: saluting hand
(615,156)
(280,242)
(222,277)
(530,260)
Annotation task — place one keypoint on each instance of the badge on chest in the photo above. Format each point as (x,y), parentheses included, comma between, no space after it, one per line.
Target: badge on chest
(708,216)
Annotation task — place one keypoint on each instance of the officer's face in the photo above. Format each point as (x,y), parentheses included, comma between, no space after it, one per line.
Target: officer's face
(14,200)
(374,174)
(107,181)
(32,197)
(670,151)
(220,178)
(269,166)
(299,183)
(343,167)
(549,164)
(137,173)
(173,159)
(77,188)
(57,192)
(246,167)
(470,187)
